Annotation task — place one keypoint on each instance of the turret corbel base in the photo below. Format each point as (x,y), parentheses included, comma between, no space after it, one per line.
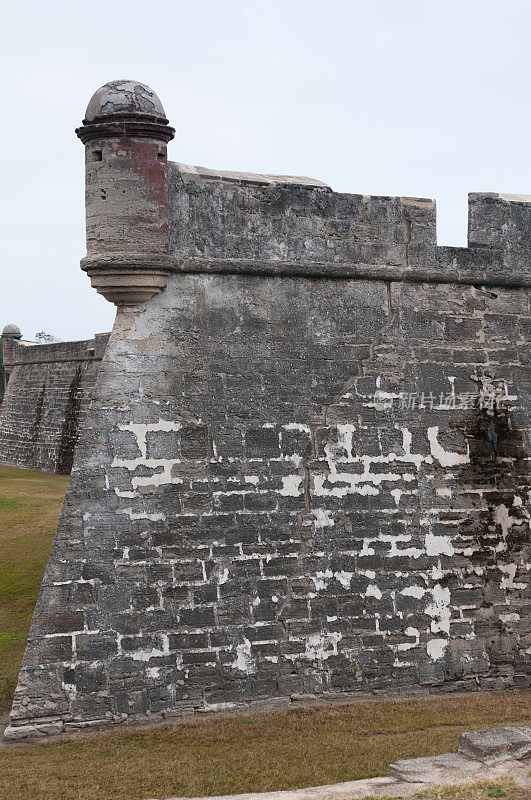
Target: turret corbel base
(128,278)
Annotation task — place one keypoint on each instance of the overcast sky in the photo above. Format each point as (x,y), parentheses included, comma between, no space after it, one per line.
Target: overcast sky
(427,98)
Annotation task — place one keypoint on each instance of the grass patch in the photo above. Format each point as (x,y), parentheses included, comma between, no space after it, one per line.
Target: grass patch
(285,749)
(30,503)
(488,790)
(8,504)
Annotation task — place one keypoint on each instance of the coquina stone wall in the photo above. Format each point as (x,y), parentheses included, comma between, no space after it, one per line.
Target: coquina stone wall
(46,398)
(305,469)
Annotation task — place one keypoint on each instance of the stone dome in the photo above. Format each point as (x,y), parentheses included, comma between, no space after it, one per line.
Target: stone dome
(11,330)
(119,98)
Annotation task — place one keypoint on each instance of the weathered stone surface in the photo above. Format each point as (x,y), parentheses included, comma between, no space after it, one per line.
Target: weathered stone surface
(125,133)
(292,484)
(446,768)
(496,744)
(17,733)
(124,98)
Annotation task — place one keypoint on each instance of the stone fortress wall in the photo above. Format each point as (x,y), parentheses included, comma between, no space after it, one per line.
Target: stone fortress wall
(305,469)
(47,394)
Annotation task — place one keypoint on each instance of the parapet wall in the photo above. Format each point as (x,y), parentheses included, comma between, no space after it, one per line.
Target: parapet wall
(305,469)
(46,398)
(253,224)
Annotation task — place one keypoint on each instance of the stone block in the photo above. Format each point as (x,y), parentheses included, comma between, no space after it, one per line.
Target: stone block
(15,733)
(496,744)
(445,768)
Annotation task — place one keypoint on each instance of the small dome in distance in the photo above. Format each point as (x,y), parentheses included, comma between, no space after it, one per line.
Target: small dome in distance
(12,330)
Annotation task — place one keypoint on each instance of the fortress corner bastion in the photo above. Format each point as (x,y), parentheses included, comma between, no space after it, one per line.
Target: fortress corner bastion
(303,469)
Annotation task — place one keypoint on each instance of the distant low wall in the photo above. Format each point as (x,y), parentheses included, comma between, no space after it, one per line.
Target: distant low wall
(48,391)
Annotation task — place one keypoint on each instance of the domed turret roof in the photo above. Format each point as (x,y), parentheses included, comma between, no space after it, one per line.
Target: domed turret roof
(11,330)
(119,98)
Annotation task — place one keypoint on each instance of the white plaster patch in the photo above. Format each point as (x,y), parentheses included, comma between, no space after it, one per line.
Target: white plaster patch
(323,518)
(414,591)
(320,646)
(436,648)
(439,609)
(153,672)
(291,486)
(297,426)
(366,483)
(403,646)
(446,458)
(294,459)
(414,458)
(414,552)
(373,591)
(510,617)
(244,661)
(438,545)
(366,550)
(436,573)
(344,440)
(219,706)
(164,466)
(146,655)
(344,578)
(140,430)
(444,491)
(70,689)
(410,645)
(509,582)
(141,515)
(369,573)
(396,494)
(494,392)
(504,519)
(223,575)
(322,579)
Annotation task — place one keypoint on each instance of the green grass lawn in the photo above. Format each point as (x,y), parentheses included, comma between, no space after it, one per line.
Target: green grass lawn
(257,752)
(277,750)
(487,790)
(30,503)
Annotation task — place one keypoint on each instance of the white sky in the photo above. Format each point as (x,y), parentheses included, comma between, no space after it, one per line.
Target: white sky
(427,98)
